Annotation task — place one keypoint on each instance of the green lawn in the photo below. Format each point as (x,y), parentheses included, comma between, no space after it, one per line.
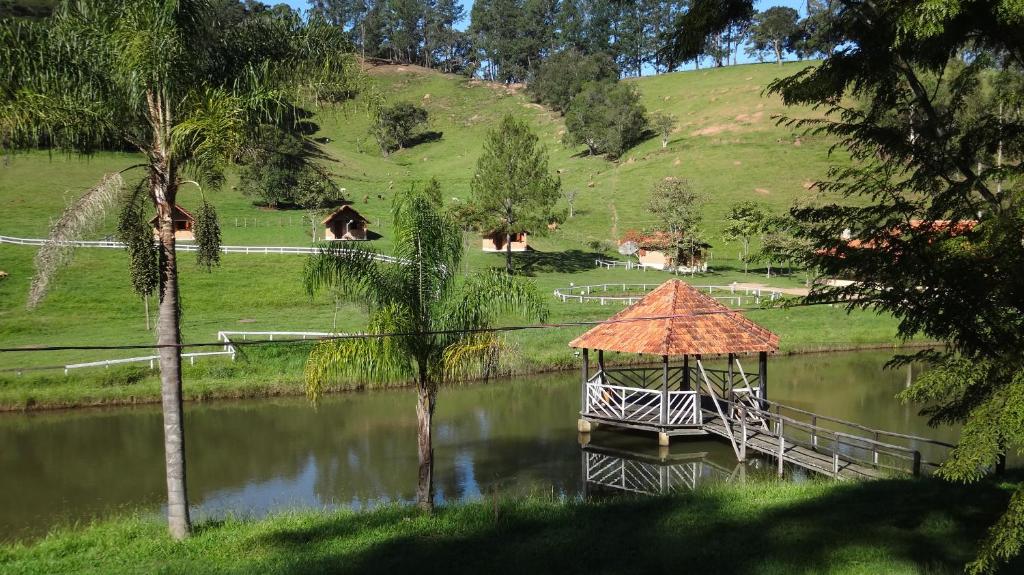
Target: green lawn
(765,527)
(727,145)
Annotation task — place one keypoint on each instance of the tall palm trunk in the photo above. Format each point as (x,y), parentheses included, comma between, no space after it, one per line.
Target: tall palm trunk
(424,441)
(168,338)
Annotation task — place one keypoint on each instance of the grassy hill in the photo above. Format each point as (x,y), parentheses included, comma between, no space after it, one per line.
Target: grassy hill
(727,145)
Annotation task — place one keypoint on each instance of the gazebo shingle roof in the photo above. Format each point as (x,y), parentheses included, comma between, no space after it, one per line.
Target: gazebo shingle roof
(698,325)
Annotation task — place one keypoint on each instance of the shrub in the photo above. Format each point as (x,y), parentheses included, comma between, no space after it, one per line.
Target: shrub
(280,172)
(394,125)
(563,75)
(607,117)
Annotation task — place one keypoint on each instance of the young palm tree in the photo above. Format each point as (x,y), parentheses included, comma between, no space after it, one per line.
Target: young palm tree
(439,324)
(186,89)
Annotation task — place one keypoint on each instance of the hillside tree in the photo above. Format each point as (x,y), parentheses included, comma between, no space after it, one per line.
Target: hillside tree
(512,190)
(743,222)
(606,117)
(776,28)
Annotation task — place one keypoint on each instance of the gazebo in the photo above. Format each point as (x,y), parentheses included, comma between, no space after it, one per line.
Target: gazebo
(675,323)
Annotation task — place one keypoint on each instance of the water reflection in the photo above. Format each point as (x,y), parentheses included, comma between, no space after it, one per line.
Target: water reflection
(254,457)
(618,471)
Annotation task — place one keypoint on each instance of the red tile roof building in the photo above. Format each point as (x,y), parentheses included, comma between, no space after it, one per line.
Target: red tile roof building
(687,322)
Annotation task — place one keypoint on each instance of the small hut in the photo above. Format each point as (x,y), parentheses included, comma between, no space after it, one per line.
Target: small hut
(345,223)
(675,323)
(658,250)
(183,222)
(496,242)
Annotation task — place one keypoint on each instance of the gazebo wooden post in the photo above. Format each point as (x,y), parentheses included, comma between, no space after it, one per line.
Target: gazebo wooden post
(662,436)
(600,365)
(686,373)
(583,426)
(762,377)
(732,360)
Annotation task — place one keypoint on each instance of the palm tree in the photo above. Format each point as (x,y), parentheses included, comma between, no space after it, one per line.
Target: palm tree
(439,325)
(184,85)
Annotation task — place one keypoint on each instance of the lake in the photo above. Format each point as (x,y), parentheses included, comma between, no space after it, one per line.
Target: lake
(507,437)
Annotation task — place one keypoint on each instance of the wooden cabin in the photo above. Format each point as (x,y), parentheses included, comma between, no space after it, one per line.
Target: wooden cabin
(658,251)
(496,242)
(680,327)
(345,223)
(183,224)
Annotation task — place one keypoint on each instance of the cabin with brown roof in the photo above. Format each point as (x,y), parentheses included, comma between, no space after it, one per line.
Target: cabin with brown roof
(657,250)
(498,242)
(183,224)
(345,223)
(680,327)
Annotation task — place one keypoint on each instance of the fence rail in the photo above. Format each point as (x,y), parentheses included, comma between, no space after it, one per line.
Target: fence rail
(186,247)
(229,349)
(729,294)
(630,265)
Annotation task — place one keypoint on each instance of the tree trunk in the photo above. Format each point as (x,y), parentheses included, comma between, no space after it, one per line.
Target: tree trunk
(778,51)
(508,254)
(424,417)
(169,337)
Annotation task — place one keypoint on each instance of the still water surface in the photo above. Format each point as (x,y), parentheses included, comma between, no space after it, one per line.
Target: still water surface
(248,458)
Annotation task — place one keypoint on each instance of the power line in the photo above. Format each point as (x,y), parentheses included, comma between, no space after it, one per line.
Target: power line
(512,328)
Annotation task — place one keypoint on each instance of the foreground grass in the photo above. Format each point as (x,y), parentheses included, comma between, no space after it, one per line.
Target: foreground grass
(896,526)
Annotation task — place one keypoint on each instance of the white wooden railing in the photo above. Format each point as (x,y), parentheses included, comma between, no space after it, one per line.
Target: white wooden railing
(187,247)
(638,405)
(593,293)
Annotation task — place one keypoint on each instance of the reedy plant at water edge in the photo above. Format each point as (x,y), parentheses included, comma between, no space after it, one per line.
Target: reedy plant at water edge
(424,324)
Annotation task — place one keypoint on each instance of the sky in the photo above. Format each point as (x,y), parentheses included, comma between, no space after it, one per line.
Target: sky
(799,5)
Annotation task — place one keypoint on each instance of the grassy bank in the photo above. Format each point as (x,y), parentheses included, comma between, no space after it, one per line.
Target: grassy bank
(896,526)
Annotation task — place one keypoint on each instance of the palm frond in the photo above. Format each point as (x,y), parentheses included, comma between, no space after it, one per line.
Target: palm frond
(486,295)
(371,358)
(474,356)
(78,219)
(348,267)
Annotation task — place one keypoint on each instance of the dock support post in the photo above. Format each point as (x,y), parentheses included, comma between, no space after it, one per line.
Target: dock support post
(762,377)
(664,391)
(583,426)
(663,439)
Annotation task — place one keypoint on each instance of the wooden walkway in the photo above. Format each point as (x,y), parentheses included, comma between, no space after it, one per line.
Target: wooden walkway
(768,443)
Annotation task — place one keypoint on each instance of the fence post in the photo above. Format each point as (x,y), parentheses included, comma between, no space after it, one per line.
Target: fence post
(782,445)
(743,430)
(814,431)
(874,450)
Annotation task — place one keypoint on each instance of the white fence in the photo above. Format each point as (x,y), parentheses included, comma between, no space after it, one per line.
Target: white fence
(185,247)
(729,294)
(631,265)
(222,336)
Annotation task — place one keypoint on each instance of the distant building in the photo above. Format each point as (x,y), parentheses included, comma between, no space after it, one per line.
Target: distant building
(496,242)
(345,223)
(183,223)
(658,250)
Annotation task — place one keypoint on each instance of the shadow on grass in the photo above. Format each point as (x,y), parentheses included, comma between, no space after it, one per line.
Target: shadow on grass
(871,527)
(533,262)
